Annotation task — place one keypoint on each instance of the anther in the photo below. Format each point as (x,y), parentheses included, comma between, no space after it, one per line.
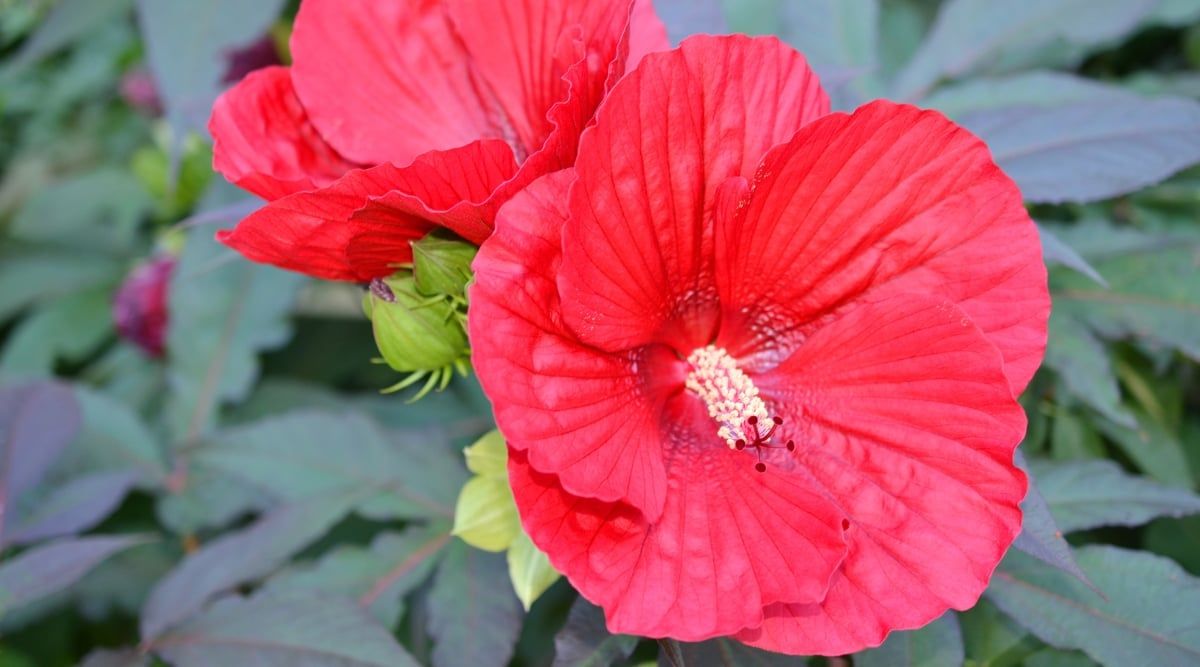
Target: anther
(760,466)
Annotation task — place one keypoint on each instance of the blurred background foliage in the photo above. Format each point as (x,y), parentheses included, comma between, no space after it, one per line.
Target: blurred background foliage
(248,497)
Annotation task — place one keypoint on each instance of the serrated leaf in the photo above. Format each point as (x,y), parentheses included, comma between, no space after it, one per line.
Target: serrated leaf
(938,644)
(242,556)
(223,312)
(1144,620)
(474,617)
(52,567)
(291,631)
(970,35)
(72,508)
(530,570)
(486,514)
(378,576)
(1090,494)
(1040,536)
(585,641)
(37,421)
(1087,151)
(415,477)
(187,46)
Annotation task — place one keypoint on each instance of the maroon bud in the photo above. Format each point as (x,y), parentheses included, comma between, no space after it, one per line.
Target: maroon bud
(140,92)
(256,55)
(140,306)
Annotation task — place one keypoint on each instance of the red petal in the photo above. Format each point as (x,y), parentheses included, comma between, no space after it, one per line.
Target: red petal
(905,416)
(263,141)
(730,541)
(310,232)
(889,200)
(522,50)
(646,34)
(639,243)
(577,410)
(387,81)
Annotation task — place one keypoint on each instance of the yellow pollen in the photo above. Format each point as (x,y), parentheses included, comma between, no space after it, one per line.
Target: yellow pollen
(727,392)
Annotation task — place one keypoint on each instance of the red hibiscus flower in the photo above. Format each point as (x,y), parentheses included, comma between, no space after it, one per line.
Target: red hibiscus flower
(756,362)
(401,115)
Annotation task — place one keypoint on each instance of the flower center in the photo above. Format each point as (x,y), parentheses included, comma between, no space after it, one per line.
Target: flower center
(733,402)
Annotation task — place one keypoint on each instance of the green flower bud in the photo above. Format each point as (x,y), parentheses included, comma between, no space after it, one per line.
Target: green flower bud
(442,266)
(417,334)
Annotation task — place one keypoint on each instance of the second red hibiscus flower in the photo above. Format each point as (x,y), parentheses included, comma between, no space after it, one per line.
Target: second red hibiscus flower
(756,362)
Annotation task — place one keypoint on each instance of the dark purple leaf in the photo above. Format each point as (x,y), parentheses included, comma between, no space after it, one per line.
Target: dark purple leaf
(242,556)
(76,506)
(474,615)
(49,568)
(586,642)
(37,422)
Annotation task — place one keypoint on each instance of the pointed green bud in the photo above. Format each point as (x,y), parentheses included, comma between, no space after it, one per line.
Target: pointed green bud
(414,332)
(442,266)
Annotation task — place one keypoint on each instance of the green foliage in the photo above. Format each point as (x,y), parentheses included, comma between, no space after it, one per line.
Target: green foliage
(252,499)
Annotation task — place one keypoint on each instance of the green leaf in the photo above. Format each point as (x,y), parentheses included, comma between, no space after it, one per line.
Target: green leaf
(1091,150)
(1147,299)
(1054,658)
(106,208)
(1152,447)
(1090,494)
(242,556)
(488,457)
(378,576)
(33,274)
(1057,252)
(413,477)
(1040,88)
(67,22)
(1144,620)
(37,421)
(1083,364)
(67,329)
(991,638)
(474,617)
(971,35)
(486,514)
(938,644)
(530,570)
(289,631)
(187,44)
(585,641)
(1040,536)
(114,437)
(209,498)
(223,312)
(52,567)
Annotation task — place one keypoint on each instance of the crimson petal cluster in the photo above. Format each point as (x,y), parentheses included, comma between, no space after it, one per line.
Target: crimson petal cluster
(400,116)
(756,361)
